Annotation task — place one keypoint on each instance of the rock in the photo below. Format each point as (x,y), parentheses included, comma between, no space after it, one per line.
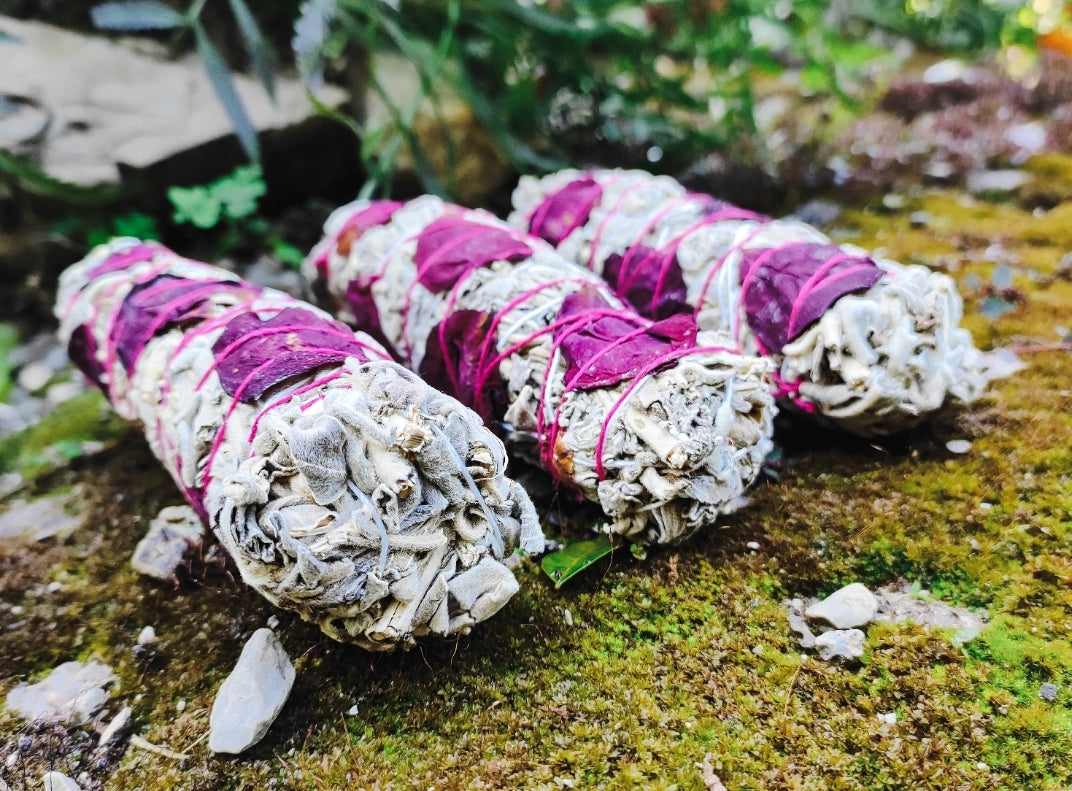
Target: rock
(845,644)
(34,376)
(897,604)
(103,122)
(174,531)
(57,781)
(251,697)
(70,694)
(147,636)
(1048,692)
(118,723)
(996,182)
(851,606)
(958,446)
(798,624)
(38,519)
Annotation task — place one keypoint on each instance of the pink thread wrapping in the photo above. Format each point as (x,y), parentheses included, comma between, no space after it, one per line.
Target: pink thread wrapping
(205,327)
(667,253)
(546,439)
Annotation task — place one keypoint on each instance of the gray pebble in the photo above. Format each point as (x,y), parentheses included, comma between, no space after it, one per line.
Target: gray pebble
(251,697)
(1048,692)
(174,531)
(846,644)
(851,606)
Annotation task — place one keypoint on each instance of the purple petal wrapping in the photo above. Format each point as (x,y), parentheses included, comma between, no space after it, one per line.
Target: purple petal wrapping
(635,278)
(450,247)
(82,350)
(152,306)
(143,251)
(303,343)
(453,365)
(376,213)
(592,348)
(366,314)
(563,211)
(772,291)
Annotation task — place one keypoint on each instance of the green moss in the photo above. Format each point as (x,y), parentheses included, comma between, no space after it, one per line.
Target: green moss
(59,436)
(684,655)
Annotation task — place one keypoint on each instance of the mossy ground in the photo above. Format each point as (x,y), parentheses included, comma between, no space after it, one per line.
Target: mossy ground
(683,656)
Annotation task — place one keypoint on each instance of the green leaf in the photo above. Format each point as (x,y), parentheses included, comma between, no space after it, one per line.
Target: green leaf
(136,224)
(287,253)
(9,339)
(224,86)
(195,205)
(238,193)
(137,15)
(570,561)
(260,53)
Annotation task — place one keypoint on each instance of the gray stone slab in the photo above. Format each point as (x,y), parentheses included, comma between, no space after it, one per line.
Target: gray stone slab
(111,105)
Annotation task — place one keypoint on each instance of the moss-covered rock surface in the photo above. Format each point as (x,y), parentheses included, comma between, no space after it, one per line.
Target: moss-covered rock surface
(679,670)
(655,673)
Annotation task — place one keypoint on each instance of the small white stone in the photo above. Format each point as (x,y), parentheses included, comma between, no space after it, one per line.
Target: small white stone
(752,545)
(174,531)
(958,446)
(63,391)
(945,71)
(147,636)
(57,781)
(352,711)
(33,376)
(115,726)
(847,608)
(180,705)
(71,694)
(847,644)
(888,718)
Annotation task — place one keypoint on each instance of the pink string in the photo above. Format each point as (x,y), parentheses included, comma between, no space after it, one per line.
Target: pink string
(598,235)
(128,280)
(221,355)
(817,280)
(640,377)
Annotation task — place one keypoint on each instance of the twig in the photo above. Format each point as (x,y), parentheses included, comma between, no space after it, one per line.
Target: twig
(138,741)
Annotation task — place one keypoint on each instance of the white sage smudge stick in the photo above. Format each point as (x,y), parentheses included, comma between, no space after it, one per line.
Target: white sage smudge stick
(344,487)
(662,426)
(868,344)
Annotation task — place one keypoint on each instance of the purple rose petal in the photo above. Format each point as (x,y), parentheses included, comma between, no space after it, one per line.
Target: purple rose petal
(788,288)
(156,304)
(606,349)
(453,363)
(451,247)
(566,210)
(376,213)
(649,282)
(255,354)
(143,251)
(82,349)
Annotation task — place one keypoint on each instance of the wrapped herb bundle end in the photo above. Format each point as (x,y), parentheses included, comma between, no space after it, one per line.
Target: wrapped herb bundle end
(344,487)
(662,425)
(868,344)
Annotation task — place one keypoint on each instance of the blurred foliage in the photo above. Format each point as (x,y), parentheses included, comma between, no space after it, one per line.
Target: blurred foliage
(657,84)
